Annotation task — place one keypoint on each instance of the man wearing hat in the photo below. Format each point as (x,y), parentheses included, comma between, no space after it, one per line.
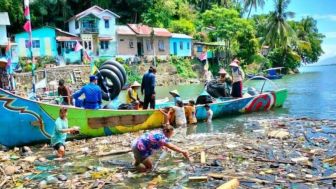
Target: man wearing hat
(175,95)
(237,78)
(224,77)
(132,93)
(225,81)
(92,92)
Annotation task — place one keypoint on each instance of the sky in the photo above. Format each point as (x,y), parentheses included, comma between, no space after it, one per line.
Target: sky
(323,11)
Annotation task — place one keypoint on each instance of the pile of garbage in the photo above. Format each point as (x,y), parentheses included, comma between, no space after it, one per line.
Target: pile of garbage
(276,153)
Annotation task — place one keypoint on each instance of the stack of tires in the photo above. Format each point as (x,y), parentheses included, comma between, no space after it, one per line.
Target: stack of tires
(111,78)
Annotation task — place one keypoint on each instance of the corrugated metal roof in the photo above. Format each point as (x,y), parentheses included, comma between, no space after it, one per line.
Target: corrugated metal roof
(180,35)
(124,30)
(141,29)
(4,19)
(162,32)
(66,38)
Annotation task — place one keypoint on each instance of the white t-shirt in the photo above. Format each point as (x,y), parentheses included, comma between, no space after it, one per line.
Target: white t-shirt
(209,115)
(180,118)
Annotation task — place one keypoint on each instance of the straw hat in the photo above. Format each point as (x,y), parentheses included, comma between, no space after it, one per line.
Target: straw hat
(135,84)
(53,83)
(234,64)
(174,92)
(222,71)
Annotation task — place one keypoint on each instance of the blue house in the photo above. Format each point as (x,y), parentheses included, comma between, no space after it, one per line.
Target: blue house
(97,29)
(180,45)
(49,41)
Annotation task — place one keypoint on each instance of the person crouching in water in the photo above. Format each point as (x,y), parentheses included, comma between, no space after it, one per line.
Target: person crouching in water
(60,133)
(144,146)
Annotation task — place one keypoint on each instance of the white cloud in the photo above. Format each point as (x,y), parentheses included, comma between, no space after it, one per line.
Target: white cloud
(329,51)
(331,17)
(330,34)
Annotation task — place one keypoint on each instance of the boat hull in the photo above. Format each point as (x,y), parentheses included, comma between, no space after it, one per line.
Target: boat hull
(261,102)
(26,122)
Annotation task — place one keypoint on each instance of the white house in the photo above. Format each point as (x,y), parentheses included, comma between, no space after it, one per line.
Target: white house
(97,29)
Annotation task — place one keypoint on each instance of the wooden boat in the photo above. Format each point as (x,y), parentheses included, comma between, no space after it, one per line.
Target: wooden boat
(26,122)
(272,73)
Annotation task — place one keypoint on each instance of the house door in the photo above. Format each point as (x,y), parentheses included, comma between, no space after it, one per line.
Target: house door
(175,48)
(139,45)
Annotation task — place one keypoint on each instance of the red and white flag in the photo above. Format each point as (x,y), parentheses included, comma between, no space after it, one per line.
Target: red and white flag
(27,26)
(87,57)
(78,46)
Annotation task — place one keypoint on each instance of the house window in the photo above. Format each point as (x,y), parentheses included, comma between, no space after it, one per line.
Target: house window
(188,45)
(76,24)
(107,23)
(148,45)
(131,44)
(121,40)
(199,48)
(181,45)
(85,45)
(104,44)
(89,44)
(35,44)
(161,45)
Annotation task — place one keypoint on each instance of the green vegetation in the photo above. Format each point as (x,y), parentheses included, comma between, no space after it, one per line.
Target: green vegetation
(26,64)
(184,67)
(132,73)
(228,22)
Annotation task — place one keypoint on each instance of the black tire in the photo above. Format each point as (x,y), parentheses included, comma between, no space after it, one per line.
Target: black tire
(119,66)
(106,96)
(216,89)
(116,70)
(113,88)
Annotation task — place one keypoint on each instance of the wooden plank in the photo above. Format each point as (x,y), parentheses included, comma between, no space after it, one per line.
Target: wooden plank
(203,160)
(198,178)
(114,152)
(232,184)
(111,121)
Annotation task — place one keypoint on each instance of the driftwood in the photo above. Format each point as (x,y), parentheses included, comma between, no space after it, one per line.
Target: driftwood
(5,178)
(241,178)
(115,152)
(198,178)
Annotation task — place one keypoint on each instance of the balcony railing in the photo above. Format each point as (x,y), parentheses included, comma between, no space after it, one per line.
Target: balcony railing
(89,30)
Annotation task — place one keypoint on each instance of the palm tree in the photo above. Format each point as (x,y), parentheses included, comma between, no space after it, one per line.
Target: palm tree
(279,33)
(253,3)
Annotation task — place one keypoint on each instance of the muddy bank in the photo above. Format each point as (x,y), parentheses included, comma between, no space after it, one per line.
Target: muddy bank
(275,153)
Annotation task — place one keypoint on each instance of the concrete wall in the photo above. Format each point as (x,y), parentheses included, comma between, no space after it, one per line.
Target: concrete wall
(124,48)
(149,51)
(180,42)
(3,35)
(47,39)
(72,27)
(56,73)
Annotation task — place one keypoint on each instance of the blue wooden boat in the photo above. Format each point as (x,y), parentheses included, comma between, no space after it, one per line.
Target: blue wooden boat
(272,73)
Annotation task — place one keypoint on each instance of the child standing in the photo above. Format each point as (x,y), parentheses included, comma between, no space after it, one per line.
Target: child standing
(209,113)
